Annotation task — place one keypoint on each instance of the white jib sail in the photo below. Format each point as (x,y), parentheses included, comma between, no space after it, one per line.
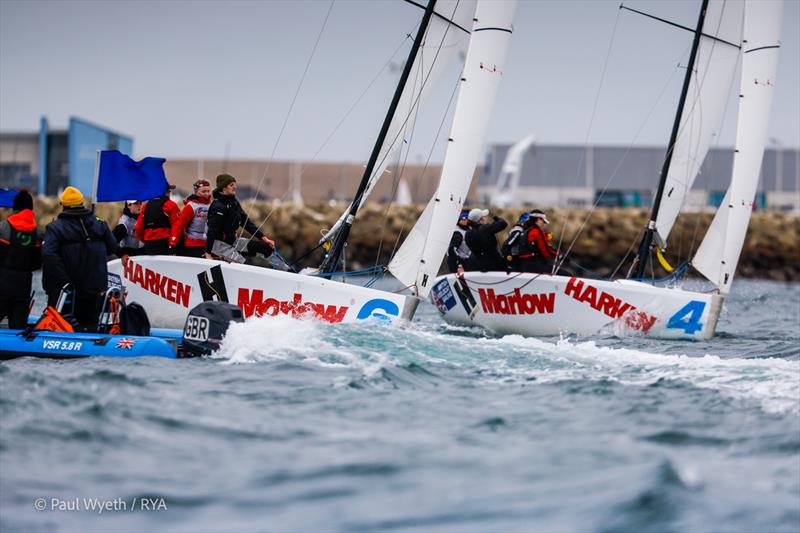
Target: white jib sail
(446,37)
(417,262)
(709,87)
(508,182)
(719,252)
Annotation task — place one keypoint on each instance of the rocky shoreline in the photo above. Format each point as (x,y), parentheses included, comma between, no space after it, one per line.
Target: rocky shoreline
(771,249)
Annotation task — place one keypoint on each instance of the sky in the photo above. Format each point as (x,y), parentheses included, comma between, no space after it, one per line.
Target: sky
(216,79)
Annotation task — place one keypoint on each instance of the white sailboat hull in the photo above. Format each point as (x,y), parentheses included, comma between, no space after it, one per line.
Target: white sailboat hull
(542,305)
(169,287)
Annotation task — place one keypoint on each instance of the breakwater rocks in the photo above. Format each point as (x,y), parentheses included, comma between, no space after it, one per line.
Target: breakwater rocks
(771,249)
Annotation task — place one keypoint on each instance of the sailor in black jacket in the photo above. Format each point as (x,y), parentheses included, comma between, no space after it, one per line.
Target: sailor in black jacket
(481,239)
(75,250)
(226,216)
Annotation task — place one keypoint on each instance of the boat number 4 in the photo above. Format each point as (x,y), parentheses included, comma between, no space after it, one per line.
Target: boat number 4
(196,328)
(688,317)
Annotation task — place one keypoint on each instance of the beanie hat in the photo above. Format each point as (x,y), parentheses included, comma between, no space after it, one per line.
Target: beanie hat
(223,180)
(23,200)
(71,197)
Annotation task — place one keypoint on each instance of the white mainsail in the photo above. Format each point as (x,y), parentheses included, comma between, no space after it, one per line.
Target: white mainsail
(508,182)
(447,37)
(719,252)
(713,77)
(418,259)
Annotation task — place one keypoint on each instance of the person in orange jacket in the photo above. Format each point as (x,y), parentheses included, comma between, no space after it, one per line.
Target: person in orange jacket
(20,255)
(193,221)
(155,222)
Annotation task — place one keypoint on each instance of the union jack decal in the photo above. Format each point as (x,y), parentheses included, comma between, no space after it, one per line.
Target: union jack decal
(126,343)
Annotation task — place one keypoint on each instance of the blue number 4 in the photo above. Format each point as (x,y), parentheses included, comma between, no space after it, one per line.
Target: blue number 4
(688,317)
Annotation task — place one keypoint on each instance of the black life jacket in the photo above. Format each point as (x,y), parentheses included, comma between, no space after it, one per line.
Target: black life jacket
(510,249)
(24,252)
(154,215)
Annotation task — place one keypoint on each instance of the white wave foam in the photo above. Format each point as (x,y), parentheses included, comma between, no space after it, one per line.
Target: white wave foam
(774,383)
(287,339)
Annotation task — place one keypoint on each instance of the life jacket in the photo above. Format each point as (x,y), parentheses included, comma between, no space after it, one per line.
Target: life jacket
(154,215)
(197,227)
(463,250)
(24,250)
(510,250)
(130,240)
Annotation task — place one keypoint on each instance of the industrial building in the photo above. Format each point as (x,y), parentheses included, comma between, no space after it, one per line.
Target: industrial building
(578,176)
(47,161)
(521,175)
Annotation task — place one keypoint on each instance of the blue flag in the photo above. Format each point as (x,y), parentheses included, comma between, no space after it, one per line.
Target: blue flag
(122,178)
(7,197)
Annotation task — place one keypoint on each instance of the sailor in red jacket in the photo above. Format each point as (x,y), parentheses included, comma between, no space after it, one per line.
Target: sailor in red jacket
(193,221)
(154,225)
(537,254)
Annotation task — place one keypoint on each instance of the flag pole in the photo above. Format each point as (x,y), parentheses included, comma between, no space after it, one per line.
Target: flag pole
(96,179)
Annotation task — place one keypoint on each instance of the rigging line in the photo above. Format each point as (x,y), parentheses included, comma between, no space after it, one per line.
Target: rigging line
(291,107)
(416,101)
(437,15)
(430,152)
(678,26)
(343,119)
(402,126)
(619,165)
(591,121)
(399,170)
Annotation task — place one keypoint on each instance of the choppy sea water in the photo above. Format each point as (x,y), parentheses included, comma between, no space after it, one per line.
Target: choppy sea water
(308,426)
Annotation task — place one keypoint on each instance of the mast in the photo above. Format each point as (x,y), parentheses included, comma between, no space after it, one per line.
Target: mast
(332,260)
(643,254)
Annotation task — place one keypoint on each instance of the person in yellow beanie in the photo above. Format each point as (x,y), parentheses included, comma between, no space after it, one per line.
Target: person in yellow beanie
(71,197)
(74,253)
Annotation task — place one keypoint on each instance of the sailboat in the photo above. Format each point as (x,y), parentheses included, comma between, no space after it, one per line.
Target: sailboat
(169,286)
(728,34)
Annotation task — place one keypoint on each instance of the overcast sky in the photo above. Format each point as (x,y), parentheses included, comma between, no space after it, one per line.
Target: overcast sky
(199,79)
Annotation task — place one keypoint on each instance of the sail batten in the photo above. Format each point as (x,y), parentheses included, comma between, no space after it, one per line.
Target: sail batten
(417,262)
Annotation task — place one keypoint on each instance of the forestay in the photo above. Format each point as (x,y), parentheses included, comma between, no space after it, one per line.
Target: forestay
(446,38)
(713,77)
(719,252)
(418,259)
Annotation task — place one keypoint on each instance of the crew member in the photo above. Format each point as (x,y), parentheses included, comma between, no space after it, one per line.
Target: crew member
(482,240)
(458,253)
(74,252)
(226,216)
(538,254)
(192,223)
(154,225)
(125,230)
(511,247)
(20,255)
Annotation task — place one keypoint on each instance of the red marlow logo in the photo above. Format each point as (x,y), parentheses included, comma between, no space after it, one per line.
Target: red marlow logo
(254,303)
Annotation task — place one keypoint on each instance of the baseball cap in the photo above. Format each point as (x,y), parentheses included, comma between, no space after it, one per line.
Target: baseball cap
(476,214)
(464,214)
